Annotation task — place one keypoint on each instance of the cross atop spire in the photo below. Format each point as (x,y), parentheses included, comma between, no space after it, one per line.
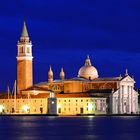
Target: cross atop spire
(87,62)
(50,69)
(62,69)
(126,72)
(24,30)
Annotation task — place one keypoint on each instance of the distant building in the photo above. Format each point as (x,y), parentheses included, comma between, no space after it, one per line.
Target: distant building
(85,94)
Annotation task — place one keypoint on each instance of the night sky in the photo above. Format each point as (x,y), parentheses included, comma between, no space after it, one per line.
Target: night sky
(64,32)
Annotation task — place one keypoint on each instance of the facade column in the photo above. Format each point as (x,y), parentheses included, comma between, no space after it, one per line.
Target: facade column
(136,104)
(128,103)
(113,105)
(129,99)
(120,98)
(132,99)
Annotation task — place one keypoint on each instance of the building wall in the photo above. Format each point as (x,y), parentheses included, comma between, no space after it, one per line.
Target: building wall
(24,74)
(72,87)
(65,106)
(99,85)
(80,86)
(73,106)
(26,106)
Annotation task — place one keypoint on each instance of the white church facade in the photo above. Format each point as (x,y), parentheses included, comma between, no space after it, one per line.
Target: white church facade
(125,99)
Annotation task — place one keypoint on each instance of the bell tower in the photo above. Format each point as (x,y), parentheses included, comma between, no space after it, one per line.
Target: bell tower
(24,61)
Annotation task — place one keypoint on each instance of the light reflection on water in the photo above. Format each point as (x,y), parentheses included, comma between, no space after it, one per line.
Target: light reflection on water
(59,128)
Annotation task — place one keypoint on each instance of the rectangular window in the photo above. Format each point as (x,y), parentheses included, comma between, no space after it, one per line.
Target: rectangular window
(28,50)
(21,50)
(59,110)
(81,110)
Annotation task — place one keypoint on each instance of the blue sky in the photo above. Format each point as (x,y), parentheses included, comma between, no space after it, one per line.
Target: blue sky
(64,32)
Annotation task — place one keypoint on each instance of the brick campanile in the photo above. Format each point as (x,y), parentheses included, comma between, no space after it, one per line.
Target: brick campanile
(24,61)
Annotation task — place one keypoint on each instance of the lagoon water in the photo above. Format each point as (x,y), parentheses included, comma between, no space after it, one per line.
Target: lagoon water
(69,128)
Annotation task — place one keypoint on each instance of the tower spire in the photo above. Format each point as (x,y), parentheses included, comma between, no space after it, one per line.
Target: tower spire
(87,62)
(50,75)
(62,74)
(24,30)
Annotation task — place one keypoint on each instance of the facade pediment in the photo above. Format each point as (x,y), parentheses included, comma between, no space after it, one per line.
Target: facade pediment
(127,79)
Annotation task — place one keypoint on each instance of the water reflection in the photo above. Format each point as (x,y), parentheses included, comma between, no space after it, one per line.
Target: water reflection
(80,128)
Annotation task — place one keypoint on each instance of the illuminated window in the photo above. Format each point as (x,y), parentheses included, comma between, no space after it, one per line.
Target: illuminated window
(1,108)
(26,108)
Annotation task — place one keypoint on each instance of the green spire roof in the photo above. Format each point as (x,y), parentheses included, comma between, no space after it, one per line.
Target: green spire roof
(24,30)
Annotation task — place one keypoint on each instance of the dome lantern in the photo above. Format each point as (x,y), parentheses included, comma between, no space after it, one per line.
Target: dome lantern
(88,71)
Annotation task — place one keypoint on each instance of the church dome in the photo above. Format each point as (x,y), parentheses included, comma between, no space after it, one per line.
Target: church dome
(88,71)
